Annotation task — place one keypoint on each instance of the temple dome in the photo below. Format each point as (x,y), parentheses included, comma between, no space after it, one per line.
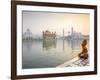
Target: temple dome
(28,35)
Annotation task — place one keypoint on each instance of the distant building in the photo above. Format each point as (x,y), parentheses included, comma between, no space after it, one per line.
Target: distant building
(73,35)
(47,35)
(28,35)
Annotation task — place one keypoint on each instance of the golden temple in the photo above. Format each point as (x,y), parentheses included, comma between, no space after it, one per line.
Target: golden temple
(49,35)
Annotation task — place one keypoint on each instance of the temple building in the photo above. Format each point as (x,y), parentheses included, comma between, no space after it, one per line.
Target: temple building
(47,35)
(73,35)
(49,39)
(28,35)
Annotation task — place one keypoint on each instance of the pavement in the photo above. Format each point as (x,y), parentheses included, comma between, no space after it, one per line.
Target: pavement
(79,63)
(75,62)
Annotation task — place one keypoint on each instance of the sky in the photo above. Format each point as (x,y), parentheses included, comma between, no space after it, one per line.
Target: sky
(38,22)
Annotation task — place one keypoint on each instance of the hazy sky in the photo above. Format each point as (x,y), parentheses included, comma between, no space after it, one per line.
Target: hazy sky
(53,21)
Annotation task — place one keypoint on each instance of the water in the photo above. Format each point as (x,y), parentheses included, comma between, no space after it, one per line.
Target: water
(47,54)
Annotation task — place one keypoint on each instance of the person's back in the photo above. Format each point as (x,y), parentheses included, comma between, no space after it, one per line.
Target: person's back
(84,54)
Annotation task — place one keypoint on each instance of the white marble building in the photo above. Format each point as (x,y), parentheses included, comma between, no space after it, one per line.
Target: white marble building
(28,35)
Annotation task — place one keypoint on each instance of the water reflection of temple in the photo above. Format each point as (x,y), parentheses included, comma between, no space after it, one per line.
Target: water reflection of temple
(75,45)
(49,44)
(49,39)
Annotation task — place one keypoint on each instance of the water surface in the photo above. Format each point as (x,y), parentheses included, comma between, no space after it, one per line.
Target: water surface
(47,54)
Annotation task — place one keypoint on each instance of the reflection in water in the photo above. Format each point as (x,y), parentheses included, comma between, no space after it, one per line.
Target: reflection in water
(75,44)
(48,44)
(27,45)
(57,52)
(63,45)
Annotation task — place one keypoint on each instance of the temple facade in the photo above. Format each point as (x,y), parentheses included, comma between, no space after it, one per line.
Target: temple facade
(28,35)
(74,35)
(47,35)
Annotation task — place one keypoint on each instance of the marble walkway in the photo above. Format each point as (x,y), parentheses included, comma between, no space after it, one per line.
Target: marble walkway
(75,62)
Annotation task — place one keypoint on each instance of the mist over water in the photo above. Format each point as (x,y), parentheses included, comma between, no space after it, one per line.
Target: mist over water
(42,54)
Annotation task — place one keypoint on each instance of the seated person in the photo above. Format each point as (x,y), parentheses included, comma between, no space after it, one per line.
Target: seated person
(84,55)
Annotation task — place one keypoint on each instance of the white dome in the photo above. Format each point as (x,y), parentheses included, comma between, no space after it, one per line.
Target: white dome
(28,35)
